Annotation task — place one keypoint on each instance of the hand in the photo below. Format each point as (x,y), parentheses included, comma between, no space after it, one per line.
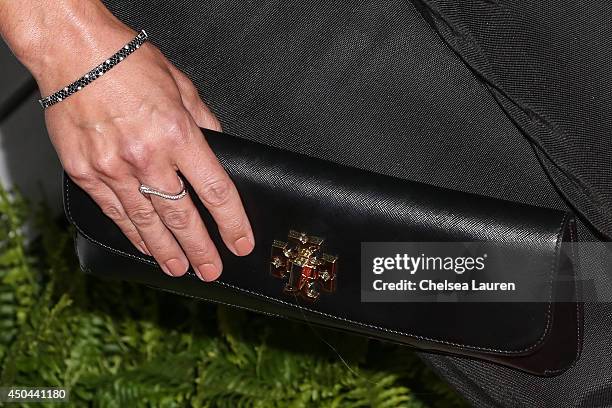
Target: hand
(139,124)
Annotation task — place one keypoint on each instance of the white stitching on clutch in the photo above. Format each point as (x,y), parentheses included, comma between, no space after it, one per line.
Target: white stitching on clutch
(415,336)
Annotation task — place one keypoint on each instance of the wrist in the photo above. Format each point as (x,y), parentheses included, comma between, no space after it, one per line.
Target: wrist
(80,51)
(62,42)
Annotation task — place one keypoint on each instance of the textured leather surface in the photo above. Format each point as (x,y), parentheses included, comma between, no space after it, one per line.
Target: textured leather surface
(347,206)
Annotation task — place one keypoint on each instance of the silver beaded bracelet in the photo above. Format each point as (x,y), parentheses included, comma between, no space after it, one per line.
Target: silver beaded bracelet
(95,73)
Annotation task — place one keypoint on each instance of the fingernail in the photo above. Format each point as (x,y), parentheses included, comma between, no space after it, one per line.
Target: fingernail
(175,267)
(243,246)
(208,272)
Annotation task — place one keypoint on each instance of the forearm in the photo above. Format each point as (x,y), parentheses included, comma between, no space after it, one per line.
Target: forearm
(58,40)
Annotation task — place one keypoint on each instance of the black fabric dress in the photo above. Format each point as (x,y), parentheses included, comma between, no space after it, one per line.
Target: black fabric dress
(510,99)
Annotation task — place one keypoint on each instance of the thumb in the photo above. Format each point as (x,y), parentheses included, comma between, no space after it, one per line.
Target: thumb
(201,114)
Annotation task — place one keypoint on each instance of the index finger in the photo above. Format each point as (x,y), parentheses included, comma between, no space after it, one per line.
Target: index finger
(217,192)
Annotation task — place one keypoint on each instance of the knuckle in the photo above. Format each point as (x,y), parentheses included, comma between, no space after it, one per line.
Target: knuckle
(217,192)
(78,171)
(234,225)
(143,217)
(106,165)
(177,219)
(178,128)
(198,253)
(113,212)
(138,155)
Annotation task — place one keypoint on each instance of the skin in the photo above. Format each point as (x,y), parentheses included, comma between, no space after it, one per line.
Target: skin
(137,124)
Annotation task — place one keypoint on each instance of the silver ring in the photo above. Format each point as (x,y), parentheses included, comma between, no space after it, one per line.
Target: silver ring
(146,190)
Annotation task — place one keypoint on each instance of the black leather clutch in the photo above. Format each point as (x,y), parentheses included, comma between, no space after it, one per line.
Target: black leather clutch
(292,199)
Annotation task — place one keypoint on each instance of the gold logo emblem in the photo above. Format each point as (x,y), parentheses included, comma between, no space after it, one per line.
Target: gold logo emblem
(303,264)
